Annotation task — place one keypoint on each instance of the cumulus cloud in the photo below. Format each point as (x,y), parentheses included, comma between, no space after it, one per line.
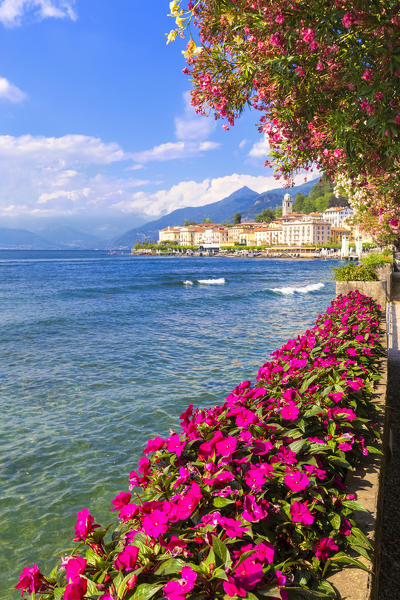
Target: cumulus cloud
(173,151)
(192,193)
(13,12)
(260,149)
(191,132)
(45,176)
(10,92)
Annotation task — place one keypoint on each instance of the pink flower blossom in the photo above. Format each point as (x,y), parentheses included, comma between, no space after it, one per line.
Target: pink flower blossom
(74,567)
(76,590)
(30,580)
(227,446)
(300,513)
(324,547)
(121,500)
(128,512)
(367,75)
(154,445)
(84,525)
(252,511)
(174,445)
(126,560)
(347,20)
(178,588)
(296,481)
(290,412)
(155,524)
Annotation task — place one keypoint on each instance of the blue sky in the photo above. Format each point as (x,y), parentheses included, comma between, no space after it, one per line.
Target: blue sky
(95,123)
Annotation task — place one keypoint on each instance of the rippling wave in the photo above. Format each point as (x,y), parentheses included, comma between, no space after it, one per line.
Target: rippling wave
(289,291)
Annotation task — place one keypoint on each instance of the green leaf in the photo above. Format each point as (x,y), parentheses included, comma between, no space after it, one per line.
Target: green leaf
(335,521)
(341,558)
(59,593)
(359,538)
(172,565)
(354,505)
(373,450)
(92,588)
(297,445)
(220,502)
(339,462)
(145,591)
(221,552)
(220,574)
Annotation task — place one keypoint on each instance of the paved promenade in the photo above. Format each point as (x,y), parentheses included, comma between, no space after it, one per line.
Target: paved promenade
(389,584)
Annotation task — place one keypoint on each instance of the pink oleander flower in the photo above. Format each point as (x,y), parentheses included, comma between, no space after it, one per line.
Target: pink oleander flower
(178,588)
(227,446)
(76,590)
(308,35)
(299,71)
(84,525)
(74,567)
(30,580)
(121,500)
(290,412)
(300,513)
(280,19)
(155,524)
(347,20)
(296,481)
(126,560)
(324,547)
(367,75)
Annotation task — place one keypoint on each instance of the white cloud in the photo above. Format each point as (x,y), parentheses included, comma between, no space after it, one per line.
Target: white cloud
(243,143)
(191,132)
(192,193)
(10,92)
(61,176)
(260,149)
(173,151)
(12,12)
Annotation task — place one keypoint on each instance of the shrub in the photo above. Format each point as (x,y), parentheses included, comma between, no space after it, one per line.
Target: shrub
(354,272)
(248,499)
(374,260)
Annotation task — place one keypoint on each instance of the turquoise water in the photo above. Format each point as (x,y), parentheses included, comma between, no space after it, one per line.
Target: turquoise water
(98,353)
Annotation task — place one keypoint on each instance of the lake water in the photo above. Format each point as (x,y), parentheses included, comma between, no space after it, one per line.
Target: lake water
(98,353)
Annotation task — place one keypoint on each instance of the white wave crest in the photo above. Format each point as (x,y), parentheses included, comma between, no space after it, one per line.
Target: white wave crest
(187,282)
(219,281)
(289,291)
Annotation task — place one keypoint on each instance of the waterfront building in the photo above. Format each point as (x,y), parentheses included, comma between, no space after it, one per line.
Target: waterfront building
(336,215)
(215,237)
(306,232)
(337,234)
(242,232)
(169,234)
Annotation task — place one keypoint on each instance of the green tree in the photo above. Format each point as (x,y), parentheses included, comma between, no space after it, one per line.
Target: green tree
(298,204)
(207,220)
(266,216)
(237,219)
(186,223)
(277,211)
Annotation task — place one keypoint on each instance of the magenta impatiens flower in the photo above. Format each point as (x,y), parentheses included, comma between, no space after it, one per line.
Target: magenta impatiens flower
(156,523)
(296,481)
(252,511)
(290,411)
(300,513)
(30,580)
(84,525)
(126,560)
(120,500)
(74,567)
(76,590)
(154,445)
(226,446)
(174,445)
(178,588)
(324,547)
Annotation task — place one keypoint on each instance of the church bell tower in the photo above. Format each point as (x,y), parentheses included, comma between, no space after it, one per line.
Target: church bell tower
(287,205)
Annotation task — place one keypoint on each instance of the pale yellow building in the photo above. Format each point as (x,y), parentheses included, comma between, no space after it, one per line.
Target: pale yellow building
(169,234)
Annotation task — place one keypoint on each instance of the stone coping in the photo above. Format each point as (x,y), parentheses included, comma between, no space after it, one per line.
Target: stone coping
(366,483)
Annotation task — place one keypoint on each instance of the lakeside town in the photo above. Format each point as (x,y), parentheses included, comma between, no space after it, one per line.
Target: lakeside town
(293,234)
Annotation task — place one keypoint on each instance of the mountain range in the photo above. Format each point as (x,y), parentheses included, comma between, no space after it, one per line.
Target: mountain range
(61,236)
(245,201)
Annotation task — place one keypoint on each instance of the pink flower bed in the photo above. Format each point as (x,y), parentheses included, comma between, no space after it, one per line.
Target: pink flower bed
(248,500)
